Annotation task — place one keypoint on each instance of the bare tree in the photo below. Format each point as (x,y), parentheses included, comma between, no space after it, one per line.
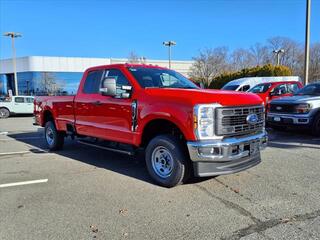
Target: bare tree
(314,65)
(212,62)
(293,52)
(50,84)
(260,54)
(241,58)
(134,58)
(209,64)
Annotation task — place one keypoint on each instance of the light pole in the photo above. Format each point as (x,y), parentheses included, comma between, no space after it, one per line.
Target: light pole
(278,52)
(14,35)
(169,44)
(307,44)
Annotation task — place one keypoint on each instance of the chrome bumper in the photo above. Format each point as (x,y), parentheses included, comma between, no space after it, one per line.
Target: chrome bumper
(228,149)
(299,119)
(230,155)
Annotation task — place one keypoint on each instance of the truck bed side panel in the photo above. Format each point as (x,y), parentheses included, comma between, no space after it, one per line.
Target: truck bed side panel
(61,107)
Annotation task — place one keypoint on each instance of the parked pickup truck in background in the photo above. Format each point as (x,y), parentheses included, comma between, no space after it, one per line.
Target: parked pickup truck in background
(183,130)
(16,105)
(300,110)
(273,90)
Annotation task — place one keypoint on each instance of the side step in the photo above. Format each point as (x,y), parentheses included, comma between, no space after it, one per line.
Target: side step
(104,146)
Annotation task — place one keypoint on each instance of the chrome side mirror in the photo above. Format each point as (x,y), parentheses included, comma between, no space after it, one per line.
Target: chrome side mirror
(108,87)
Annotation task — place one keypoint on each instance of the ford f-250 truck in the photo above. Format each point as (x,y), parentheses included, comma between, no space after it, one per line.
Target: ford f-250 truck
(301,110)
(184,130)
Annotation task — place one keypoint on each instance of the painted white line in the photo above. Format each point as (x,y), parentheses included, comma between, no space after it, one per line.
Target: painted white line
(3,133)
(23,183)
(22,138)
(295,144)
(14,153)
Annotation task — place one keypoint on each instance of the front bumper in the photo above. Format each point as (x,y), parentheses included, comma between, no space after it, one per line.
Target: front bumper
(288,119)
(217,157)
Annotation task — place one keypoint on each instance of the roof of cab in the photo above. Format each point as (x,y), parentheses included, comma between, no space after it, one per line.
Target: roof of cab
(120,65)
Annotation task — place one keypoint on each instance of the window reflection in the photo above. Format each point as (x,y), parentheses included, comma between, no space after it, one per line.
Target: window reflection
(41,83)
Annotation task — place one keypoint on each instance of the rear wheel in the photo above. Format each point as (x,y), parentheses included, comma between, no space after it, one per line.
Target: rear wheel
(316,125)
(167,161)
(4,113)
(54,138)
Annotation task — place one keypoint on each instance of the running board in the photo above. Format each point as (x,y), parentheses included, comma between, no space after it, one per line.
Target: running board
(130,153)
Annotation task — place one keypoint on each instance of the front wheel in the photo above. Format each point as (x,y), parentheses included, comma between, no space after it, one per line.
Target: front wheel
(167,161)
(54,138)
(4,113)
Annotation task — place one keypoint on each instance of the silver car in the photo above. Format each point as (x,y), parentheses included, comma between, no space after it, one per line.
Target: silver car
(300,110)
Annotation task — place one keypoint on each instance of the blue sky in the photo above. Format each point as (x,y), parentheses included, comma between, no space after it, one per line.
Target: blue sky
(97,28)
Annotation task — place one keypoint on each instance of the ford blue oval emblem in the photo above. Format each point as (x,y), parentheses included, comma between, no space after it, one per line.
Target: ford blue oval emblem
(252,119)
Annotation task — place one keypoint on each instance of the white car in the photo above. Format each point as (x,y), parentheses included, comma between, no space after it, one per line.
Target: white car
(244,84)
(16,105)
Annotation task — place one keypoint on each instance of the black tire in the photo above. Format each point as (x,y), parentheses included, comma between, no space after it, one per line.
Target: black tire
(181,167)
(57,137)
(4,113)
(316,125)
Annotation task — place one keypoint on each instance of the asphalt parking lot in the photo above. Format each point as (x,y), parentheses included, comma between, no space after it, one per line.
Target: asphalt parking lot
(87,193)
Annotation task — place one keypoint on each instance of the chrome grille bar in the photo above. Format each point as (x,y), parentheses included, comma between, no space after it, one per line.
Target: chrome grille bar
(233,120)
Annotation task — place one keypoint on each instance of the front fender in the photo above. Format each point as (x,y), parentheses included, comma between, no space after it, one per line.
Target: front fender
(181,116)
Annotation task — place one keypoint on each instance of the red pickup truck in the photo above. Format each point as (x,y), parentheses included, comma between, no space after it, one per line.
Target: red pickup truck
(273,90)
(184,130)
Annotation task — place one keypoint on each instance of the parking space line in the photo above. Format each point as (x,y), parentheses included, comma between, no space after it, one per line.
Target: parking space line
(13,153)
(3,133)
(22,138)
(23,183)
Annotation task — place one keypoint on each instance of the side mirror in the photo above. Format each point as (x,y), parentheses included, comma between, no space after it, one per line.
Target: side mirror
(108,87)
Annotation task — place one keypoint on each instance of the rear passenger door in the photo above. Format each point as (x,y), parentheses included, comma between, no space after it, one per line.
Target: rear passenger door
(29,104)
(86,103)
(19,105)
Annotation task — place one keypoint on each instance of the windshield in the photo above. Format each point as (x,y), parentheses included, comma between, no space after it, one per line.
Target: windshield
(230,87)
(260,88)
(160,78)
(311,89)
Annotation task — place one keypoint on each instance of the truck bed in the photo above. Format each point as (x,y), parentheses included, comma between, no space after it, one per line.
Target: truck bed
(63,107)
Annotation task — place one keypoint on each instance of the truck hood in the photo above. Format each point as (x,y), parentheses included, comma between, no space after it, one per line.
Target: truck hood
(296,99)
(198,96)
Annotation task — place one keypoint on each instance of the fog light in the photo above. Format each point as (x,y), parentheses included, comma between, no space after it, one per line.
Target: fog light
(206,151)
(235,150)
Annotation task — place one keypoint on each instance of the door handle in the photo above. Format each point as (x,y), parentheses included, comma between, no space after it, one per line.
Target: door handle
(97,103)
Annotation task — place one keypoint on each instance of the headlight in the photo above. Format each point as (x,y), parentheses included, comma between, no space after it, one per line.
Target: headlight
(204,120)
(303,108)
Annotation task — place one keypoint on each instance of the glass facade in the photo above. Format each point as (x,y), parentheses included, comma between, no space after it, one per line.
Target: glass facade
(41,83)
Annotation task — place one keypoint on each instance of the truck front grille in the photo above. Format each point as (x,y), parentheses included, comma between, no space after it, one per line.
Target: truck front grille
(282,108)
(233,120)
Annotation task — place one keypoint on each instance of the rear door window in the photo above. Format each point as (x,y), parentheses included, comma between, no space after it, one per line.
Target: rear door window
(92,82)
(29,100)
(19,100)
(292,87)
(280,89)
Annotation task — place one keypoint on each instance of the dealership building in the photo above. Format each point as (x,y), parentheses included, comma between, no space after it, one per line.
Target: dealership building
(38,75)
